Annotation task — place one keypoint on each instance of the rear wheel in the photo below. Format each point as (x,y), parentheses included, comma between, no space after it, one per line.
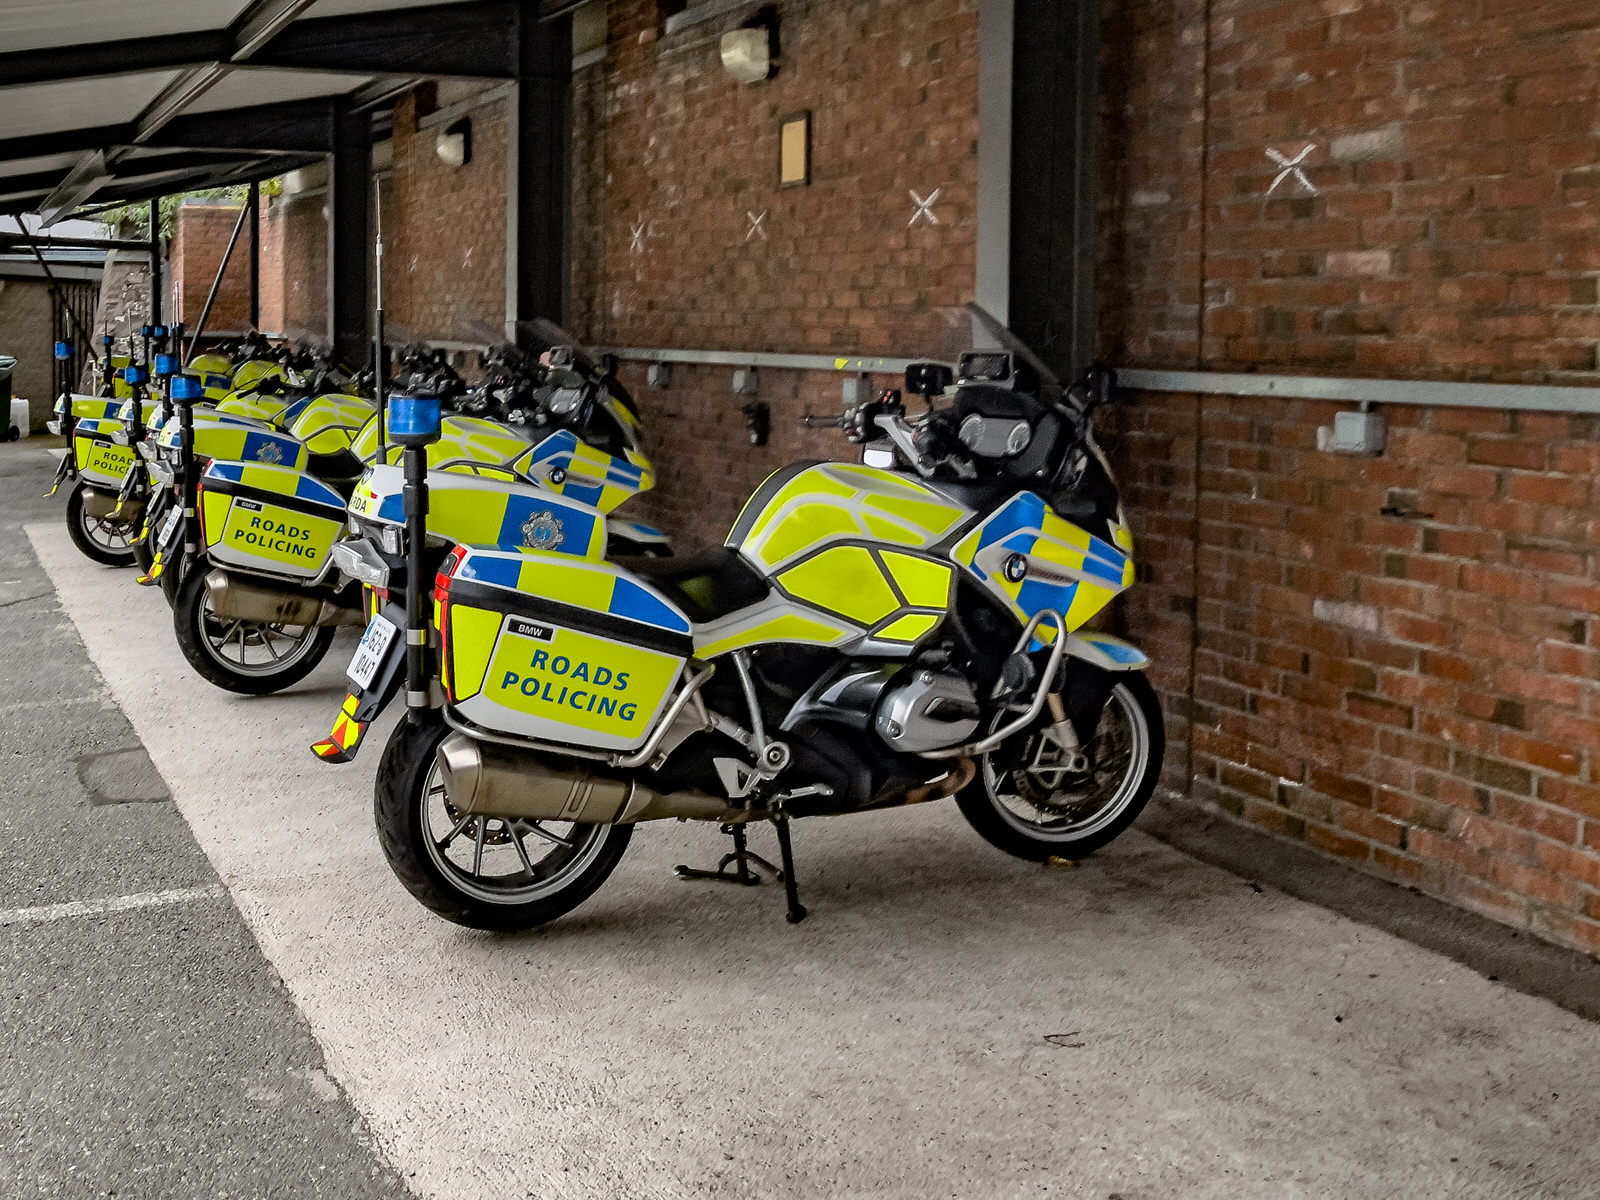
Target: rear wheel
(497,873)
(100,538)
(247,657)
(1029,799)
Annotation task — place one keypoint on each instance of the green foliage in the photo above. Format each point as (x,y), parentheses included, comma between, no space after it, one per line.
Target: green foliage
(133,220)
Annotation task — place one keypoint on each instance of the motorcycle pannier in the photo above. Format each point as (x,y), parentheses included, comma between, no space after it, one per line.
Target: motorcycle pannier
(554,649)
(275,520)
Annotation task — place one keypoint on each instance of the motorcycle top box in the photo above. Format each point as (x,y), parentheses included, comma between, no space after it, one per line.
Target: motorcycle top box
(557,650)
(271,519)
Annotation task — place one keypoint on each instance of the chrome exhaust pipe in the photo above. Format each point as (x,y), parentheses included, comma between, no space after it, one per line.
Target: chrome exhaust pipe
(501,781)
(234,599)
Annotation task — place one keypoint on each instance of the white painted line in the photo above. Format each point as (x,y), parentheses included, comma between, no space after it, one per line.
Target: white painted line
(110,904)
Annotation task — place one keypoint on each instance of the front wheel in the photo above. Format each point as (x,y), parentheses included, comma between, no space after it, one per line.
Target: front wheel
(102,539)
(1025,801)
(496,873)
(247,657)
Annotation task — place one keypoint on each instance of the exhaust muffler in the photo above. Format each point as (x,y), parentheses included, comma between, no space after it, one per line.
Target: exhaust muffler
(101,506)
(233,599)
(501,781)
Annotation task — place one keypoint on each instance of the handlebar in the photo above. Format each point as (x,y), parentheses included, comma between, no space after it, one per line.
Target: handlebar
(810,421)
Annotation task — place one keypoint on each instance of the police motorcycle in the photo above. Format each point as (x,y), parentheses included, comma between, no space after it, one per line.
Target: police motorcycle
(98,459)
(256,505)
(263,609)
(873,634)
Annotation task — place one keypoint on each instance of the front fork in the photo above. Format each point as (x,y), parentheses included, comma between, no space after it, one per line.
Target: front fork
(363,705)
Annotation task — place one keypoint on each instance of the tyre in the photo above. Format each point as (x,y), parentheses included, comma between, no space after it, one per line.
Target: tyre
(1023,801)
(483,872)
(246,657)
(99,538)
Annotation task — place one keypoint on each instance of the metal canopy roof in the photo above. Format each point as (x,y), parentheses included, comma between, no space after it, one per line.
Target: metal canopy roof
(107,101)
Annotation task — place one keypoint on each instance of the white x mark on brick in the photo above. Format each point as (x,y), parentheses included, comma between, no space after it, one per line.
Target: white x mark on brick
(1291,168)
(924,207)
(641,231)
(757,225)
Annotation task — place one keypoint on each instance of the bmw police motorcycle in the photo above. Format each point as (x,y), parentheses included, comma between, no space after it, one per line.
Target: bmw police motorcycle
(872,634)
(261,610)
(99,460)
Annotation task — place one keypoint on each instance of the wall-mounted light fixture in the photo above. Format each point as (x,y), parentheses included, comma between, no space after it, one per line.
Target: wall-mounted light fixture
(750,53)
(454,144)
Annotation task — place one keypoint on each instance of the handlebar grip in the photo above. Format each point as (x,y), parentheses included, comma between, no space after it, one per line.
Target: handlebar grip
(813,422)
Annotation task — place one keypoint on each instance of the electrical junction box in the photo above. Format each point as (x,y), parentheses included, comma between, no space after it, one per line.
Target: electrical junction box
(1353,433)
(744,381)
(659,375)
(857,391)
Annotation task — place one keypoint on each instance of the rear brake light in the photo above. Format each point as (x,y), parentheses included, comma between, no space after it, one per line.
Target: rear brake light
(447,570)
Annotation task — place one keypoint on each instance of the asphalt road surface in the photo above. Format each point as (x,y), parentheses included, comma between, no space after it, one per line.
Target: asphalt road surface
(147,1047)
(948,1022)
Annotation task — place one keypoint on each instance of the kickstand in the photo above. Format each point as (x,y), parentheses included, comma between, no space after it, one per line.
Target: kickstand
(741,859)
(797,911)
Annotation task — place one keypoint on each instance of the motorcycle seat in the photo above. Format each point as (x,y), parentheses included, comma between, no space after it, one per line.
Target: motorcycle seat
(706,585)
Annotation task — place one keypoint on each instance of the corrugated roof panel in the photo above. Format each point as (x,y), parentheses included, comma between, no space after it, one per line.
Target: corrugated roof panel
(245,86)
(33,24)
(78,103)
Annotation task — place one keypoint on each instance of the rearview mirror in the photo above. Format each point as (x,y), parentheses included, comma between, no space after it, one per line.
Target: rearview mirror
(928,378)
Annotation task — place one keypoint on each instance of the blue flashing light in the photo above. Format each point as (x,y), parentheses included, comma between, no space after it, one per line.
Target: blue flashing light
(135,375)
(186,387)
(63,350)
(415,419)
(166,364)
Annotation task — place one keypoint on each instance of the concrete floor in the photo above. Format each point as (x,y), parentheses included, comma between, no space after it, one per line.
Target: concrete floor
(949,1022)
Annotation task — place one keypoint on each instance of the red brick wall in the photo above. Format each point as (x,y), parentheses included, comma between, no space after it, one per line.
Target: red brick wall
(666,140)
(199,240)
(1395,657)
(667,143)
(445,249)
(294,263)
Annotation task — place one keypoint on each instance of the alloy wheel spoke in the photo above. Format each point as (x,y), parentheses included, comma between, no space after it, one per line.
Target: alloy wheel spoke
(516,840)
(444,842)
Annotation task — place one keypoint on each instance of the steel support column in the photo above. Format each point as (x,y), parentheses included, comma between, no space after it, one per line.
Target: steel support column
(1054,112)
(538,169)
(348,203)
(155,262)
(254,204)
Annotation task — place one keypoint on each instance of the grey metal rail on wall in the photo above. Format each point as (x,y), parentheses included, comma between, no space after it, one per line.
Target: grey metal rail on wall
(1515,397)
(777,362)
(1511,397)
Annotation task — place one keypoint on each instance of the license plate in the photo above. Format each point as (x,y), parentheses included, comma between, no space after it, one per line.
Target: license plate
(169,528)
(369,655)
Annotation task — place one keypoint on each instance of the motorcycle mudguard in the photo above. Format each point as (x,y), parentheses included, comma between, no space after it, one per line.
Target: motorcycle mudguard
(363,705)
(1106,652)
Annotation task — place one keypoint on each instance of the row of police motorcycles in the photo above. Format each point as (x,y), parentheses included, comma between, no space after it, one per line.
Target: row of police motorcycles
(905,628)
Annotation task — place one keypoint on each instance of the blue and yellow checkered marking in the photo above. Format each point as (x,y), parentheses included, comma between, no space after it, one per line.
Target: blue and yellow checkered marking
(598,588)
(276,479)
